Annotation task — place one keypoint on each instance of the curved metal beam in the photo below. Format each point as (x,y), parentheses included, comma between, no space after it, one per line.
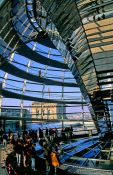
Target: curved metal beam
(13,70)
(33,55)
(9,94)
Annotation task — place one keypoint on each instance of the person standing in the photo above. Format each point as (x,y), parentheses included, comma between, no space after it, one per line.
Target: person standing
(47,152)
(9,133)
(71,131)
(33,156)
(5,140)
(25,149)
(54,160)
(18,150)
(46,132)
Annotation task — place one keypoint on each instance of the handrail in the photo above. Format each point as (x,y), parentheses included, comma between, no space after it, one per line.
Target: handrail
(75,169)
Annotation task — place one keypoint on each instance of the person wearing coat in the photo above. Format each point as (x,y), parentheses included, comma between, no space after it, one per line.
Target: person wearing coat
(54,160)
(32,152)
(18,149)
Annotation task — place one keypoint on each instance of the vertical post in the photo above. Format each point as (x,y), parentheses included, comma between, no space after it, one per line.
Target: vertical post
(0,105)
(41,110)
(62,122)
(3,85)
(45,73)
(1,102)
(22,102)
(1,121)
(24,89)
(21,116)
(62,107)
(82,112)
(4,125)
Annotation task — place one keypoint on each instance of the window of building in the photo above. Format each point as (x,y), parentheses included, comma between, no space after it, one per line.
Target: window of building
(37,112)
(43,112)
(48,113)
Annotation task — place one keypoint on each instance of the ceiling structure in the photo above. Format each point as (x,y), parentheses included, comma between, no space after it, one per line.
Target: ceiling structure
(44,41)
(32,68)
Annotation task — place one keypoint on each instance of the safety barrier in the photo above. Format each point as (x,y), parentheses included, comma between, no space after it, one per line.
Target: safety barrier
(74,169)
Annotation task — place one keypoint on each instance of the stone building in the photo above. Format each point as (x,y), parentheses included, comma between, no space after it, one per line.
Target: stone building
(48,110)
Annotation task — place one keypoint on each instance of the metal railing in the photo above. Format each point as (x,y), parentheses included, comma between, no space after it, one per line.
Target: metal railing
(74,169)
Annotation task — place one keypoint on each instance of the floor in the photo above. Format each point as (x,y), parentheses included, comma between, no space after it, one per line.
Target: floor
(3,155)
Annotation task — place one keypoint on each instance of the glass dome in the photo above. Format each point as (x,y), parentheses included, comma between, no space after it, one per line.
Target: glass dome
(32,68)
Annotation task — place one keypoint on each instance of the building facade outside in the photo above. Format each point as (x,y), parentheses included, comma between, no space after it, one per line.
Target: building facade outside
(48,110)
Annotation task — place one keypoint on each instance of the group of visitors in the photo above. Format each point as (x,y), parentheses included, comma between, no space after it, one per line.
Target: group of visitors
(26,154)
(24,146)
(67,132)
(25,151)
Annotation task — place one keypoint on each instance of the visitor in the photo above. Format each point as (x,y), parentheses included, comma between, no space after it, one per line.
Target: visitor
(54,161)
(33,156)
(71,131)
(46,132)
(25,156)
(18,135)
(12,140)
(9,133)
(47,151)
(5,140)
(18,150)
(1,134)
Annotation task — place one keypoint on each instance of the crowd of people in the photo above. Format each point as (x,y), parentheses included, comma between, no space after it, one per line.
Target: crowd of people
(24,146)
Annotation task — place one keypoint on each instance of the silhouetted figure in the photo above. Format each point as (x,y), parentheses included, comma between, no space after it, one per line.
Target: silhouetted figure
(40,73)
(47,131)
(71,131)
(40,133)
(33,156)
(54,161)
(1,134)
(5,138)
(103,16)
(18,150)
(9,133)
